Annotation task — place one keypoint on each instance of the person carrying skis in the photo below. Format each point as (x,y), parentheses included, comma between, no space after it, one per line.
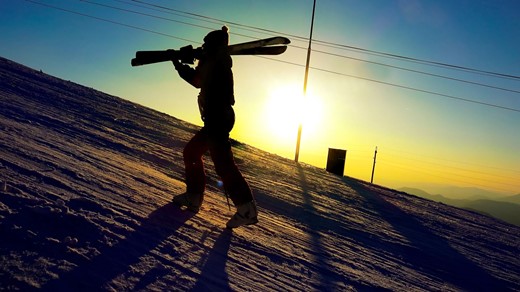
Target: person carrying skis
(214,77)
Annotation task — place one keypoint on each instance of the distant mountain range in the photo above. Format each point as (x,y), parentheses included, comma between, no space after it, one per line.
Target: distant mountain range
(504,208)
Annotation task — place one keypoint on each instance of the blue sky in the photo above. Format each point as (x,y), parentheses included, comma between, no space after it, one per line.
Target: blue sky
(355,104)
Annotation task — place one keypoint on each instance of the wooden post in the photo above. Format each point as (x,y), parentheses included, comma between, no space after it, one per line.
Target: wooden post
(297,154)
(373,167)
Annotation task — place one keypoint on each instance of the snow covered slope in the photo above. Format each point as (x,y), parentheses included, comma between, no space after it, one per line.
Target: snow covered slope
(86,181)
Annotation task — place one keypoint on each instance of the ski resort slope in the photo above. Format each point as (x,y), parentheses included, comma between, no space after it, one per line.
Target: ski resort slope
(86,181)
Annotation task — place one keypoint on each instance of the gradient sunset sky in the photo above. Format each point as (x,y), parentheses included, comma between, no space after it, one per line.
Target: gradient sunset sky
(433,125)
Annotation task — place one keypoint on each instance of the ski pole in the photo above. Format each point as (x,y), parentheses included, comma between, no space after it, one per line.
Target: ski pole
(227,198)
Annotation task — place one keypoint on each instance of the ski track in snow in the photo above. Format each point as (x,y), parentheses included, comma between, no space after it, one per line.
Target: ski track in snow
(85,189)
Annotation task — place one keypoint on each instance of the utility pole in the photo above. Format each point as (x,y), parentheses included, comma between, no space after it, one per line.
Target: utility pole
(373,166)
(297,154)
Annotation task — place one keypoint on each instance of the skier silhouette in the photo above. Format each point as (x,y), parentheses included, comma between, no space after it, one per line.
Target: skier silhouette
(214,77)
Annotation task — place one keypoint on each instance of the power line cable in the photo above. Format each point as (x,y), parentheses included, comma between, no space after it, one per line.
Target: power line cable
(158,17)
(318,51)
(436,174)
(163,11)
(292,63)
(444,166)
(447,160)
(171,11)
(221,20)
(360,148)
(411,59)
(401,86)
(419,72)
(422,61)
(108,20)
(436,166)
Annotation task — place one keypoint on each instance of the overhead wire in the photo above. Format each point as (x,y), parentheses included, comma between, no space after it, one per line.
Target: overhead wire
(221,21)
(408,154)
(153,16)
(347,57)
(447,172)
(360,153)
(144,14)
(433,63)
(314,50)
(402,86)
(337,45)
(455,168)
(328,44)
(108,20)
(419,72)
(366,79)
(454,178)
(287,62)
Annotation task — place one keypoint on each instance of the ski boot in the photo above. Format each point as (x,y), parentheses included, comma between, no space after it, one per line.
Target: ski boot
(192,201)
(246,215)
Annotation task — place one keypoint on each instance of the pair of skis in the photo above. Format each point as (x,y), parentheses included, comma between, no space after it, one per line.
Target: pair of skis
(269,46)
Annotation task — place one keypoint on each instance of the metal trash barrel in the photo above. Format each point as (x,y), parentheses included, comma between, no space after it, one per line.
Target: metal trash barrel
(336,161)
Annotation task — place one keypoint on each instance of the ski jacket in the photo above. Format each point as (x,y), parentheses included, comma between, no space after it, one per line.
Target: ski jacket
(214,77)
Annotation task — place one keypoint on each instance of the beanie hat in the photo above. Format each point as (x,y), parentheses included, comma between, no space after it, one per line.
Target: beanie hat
(218,37)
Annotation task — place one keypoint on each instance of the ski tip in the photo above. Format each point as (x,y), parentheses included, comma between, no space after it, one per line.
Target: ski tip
(135,62)
(286,41)
(278,40)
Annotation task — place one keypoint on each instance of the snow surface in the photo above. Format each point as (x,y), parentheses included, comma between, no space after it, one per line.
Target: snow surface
(86,181)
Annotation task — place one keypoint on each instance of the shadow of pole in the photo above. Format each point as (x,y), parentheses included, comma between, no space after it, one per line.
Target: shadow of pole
(96,273)
(314,223)
(213,276)
(428,252)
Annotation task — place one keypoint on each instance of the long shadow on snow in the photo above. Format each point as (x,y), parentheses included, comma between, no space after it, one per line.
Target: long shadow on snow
(213,275)
(96,273)
(428,252)
(326,276)
(316,223)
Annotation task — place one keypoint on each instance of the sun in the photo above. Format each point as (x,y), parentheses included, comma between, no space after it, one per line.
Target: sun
(286,108)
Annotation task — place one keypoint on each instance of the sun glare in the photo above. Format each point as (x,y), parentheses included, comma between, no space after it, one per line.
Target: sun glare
(286,108)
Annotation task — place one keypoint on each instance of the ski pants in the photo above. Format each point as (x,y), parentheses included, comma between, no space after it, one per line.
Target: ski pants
(214,136)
